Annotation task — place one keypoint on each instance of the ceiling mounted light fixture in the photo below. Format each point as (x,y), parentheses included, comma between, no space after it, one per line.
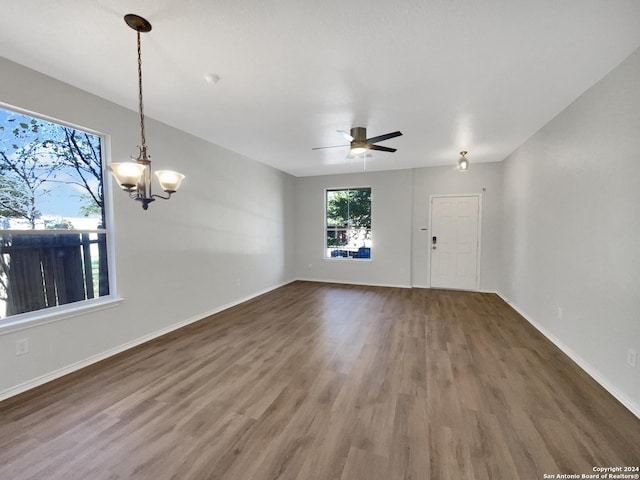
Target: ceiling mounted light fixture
(463,163)
(135,177)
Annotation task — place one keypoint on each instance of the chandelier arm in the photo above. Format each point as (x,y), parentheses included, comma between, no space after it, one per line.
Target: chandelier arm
(155,195)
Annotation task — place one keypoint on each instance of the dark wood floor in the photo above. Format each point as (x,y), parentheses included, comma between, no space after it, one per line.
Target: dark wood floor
(320,381)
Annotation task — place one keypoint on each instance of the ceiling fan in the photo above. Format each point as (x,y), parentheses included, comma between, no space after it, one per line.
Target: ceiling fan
(359,142)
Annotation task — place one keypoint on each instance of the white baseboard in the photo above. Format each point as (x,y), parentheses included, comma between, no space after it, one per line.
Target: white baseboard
(582,363)
(342,282)
(490,291)
(23,387)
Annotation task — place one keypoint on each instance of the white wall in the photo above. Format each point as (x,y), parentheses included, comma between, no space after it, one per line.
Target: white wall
(572,229)
(484,179)
(390,264)
(225,236)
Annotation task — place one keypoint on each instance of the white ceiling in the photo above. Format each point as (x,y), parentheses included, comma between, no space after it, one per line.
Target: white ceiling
(476,75)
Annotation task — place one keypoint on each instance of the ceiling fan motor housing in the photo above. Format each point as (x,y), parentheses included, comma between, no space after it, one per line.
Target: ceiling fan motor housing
(359,135)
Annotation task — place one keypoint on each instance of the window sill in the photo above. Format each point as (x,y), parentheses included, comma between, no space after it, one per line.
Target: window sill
(55,314)
(347,259)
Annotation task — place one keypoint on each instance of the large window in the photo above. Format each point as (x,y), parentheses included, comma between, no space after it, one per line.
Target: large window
(348,223)
(52,215)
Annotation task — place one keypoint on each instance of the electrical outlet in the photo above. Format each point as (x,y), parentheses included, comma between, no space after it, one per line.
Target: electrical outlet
(632,357)
(559,313)
(22,346)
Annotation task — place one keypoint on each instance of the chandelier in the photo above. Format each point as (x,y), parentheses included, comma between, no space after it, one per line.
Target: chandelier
(135,177)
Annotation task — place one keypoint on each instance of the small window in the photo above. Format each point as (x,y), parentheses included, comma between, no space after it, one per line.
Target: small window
(53,233)
(348,223)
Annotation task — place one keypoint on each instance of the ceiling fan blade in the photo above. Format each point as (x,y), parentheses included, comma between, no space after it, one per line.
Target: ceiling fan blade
(381,138)
(332,146)
(382,149)
(345,135)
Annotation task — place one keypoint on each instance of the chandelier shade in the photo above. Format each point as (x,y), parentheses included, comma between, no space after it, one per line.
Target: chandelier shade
(127,174)
(169,181)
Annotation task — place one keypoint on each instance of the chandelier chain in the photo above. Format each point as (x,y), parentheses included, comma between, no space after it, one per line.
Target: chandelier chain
(144,142)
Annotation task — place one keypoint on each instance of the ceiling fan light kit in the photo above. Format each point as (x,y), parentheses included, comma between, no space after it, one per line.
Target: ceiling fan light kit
(357,150)
(135,177)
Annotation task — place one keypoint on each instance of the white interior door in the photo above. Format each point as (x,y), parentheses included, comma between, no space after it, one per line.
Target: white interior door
(454,242)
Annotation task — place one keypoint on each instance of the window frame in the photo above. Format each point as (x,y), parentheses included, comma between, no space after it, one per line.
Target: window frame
(326,226)
(25,320)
